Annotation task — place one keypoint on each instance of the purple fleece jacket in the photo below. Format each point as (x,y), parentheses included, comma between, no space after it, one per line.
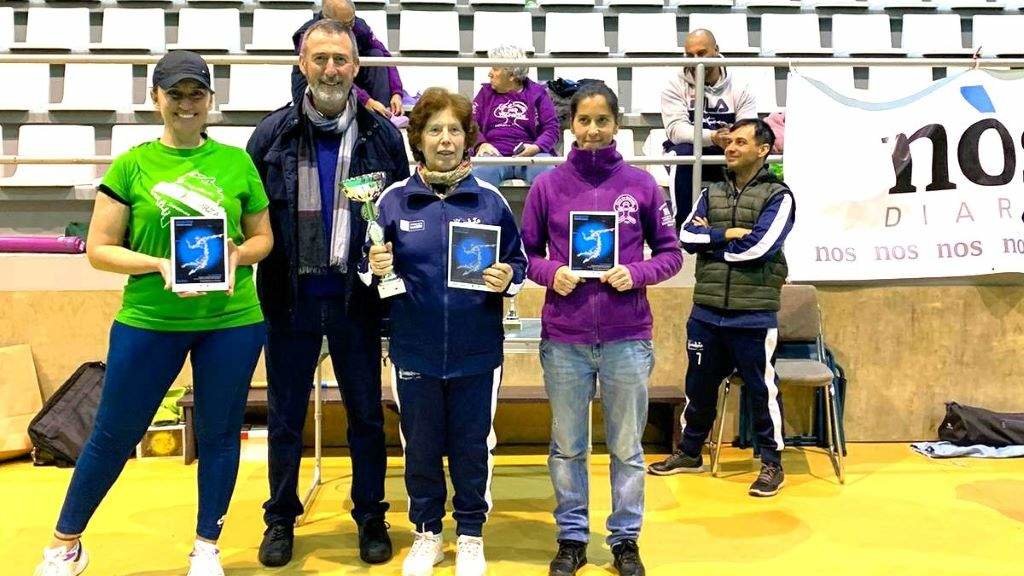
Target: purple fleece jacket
(526,116)
(594,312)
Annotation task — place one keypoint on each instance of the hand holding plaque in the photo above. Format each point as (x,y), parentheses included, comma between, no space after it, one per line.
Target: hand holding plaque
(365,189)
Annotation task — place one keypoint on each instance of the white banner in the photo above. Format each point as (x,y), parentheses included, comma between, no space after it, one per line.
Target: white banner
(928,186)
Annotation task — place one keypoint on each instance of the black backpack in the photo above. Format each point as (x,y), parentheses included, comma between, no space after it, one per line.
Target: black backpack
(62,427)
(969,425)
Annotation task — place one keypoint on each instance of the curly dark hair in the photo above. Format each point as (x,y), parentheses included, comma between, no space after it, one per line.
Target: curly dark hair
(436,100)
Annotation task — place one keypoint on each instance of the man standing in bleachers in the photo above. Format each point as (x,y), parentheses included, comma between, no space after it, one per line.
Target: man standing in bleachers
(378,88)
(737,229)
(308,285)
(726,100)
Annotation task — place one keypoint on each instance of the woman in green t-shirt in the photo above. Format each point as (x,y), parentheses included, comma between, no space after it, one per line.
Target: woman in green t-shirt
(184,173)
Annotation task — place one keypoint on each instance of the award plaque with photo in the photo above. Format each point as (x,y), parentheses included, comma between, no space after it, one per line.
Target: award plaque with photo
(593,243)
(472,248)
(199,254)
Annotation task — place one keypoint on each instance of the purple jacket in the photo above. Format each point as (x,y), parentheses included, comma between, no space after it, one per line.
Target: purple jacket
(599,181)
(526,116)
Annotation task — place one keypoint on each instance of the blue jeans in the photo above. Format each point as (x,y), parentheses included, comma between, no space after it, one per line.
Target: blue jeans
(571,373)
(141,366)
(495,175)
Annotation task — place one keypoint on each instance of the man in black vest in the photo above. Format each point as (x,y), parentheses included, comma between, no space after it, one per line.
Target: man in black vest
(737,229)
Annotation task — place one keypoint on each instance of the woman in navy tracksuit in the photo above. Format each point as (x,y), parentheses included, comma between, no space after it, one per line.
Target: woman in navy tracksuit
(446,343)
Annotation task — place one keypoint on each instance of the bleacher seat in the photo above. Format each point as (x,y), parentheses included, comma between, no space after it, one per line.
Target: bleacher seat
(272,30)
(123,137)
(574,32)
(887,83)
(428,31)
(237,136)
(972,4)
(33,82)
(434,2)
(999,35)
(377,20)
(6,28)
(497,2)
(132,29)
(658,3)
(492,29)
(933,35)
(687,4)
(552,3)
(791,34)
(258,87)
(623,143)
(65,29)
(766,4)
(652,146)
(648,33)
(730,31)
(608,75)
(52,141)
(416,79)
(848,5)
(761,80)
(97,87)
(862,34)
(209,30)
(646,87)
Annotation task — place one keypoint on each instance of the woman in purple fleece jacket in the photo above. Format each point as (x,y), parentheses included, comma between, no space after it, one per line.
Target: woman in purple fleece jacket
(598,329)
(516,118)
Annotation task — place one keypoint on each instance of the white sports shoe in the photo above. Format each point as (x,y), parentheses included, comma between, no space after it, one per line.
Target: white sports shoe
(204,560)
(61,561)
(469,557)
(426,552)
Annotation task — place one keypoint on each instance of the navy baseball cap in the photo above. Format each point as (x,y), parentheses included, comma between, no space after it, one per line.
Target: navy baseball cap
(179,65)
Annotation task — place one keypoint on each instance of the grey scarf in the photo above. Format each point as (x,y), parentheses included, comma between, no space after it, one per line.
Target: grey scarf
(319,255)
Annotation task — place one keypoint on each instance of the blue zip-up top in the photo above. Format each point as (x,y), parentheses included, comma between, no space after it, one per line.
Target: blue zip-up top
(436,330)
(764,240)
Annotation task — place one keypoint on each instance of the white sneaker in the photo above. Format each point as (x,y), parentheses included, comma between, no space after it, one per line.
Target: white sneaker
(426,552)
(61,561)
(204,560)
(469,557)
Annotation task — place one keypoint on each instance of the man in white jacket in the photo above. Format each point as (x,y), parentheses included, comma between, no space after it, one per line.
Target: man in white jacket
(726,100)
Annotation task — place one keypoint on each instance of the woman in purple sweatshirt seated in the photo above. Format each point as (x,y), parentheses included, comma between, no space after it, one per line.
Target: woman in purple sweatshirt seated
(516,118)
(597,328)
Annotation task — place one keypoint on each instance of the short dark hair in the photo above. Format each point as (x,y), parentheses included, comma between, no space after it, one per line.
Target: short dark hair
(436,100)
(762,131)
(331,28)
(591,89)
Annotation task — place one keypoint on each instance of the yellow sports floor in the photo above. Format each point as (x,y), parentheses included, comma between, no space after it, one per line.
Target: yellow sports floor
(899,513)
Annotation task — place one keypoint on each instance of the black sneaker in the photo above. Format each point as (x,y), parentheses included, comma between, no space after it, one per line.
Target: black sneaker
(677,463)
(571,556)
(276,548)
(769,481)
(374,542)
(627,559)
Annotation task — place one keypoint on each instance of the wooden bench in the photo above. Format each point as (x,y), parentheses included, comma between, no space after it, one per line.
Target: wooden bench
(671,395)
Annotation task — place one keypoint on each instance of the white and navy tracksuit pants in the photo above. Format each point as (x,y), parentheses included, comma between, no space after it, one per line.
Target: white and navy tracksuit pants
(714,352)
(453,417)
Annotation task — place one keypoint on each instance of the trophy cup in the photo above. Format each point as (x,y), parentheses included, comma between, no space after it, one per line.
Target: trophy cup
(365,189)
(511,321)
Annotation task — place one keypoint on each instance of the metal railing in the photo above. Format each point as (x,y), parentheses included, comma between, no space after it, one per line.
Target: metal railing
(700,66)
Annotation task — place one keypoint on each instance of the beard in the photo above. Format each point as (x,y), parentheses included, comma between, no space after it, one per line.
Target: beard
(332,97)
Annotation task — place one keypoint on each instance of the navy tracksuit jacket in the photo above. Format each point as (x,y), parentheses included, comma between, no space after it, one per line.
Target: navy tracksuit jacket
(446,347)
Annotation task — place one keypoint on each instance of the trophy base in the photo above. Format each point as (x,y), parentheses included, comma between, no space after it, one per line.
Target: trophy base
(391,287)
(512,322)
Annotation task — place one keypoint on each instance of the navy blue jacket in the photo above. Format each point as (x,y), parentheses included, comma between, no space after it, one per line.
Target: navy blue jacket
(436,330)
(274,148)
